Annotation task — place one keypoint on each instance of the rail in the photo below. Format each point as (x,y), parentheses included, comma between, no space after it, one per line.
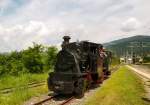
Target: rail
(29,85)
(52,97)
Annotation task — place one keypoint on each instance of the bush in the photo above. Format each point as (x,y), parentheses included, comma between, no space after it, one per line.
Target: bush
(31,60)
(51,57)
(146,59)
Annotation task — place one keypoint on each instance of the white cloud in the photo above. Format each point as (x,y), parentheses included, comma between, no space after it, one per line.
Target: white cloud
(4,3)
(46,21)
(131,24)
(20,36)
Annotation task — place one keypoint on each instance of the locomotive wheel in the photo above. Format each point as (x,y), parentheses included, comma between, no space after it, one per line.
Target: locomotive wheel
(80,88)
(108,73)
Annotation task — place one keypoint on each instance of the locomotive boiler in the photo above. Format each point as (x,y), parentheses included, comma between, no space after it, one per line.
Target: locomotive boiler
(78,66)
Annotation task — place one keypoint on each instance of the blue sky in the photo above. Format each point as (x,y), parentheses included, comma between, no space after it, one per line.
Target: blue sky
(11,6)
(46,21)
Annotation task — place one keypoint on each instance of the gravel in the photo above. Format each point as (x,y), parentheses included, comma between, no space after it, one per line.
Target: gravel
(57,101)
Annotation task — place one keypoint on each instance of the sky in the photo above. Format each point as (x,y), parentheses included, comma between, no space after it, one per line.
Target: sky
(23,22)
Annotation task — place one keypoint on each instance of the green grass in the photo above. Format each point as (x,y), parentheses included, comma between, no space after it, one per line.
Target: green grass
(123,88)
(20,95)
(16,81)
(114,62)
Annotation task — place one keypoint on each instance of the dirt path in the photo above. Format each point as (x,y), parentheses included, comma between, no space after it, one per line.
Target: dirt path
(143,68)
(144,73)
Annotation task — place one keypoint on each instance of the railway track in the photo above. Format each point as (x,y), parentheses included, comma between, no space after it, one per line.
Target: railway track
(34,84)
(29,85)
(52,97)
(45,100)
(68,100)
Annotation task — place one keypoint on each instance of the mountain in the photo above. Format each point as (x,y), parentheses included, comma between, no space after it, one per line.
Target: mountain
(139,45)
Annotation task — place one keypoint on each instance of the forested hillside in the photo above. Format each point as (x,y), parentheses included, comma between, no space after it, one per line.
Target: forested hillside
(140,45)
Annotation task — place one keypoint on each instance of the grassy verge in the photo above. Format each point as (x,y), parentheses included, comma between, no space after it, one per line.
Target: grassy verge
(16,81)
(114,62)
(123,88)
(20,95)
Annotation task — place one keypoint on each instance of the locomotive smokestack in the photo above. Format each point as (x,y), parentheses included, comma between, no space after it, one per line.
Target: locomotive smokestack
(66,41)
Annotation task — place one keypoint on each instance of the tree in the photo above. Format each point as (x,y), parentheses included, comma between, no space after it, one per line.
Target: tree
(51,56)
(32,58)
(35,59)
(3,63)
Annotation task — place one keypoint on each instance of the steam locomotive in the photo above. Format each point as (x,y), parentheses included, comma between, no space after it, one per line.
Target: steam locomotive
(79,65)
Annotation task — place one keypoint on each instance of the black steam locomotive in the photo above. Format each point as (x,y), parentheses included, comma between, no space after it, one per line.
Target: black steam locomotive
(79,65)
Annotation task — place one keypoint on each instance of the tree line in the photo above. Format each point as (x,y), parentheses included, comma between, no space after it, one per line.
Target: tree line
(36,59)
